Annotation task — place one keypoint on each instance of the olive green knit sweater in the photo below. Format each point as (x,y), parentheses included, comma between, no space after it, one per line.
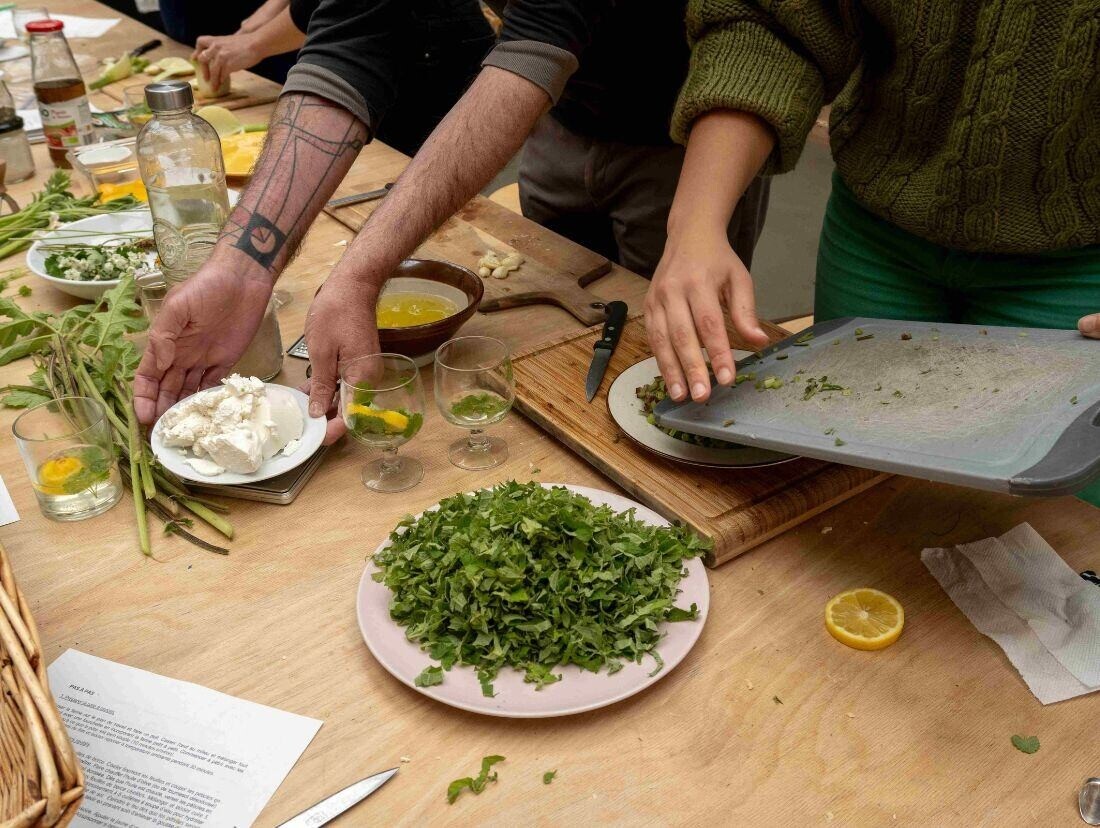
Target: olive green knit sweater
(972,123)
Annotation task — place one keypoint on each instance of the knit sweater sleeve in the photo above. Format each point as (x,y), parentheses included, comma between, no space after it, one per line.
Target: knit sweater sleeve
(781,60)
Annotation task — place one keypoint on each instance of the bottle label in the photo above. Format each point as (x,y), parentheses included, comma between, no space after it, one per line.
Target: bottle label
(66,123)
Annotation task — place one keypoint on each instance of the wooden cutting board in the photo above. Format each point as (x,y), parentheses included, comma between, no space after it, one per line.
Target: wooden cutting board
(248,90)
(555,270)
(736,508)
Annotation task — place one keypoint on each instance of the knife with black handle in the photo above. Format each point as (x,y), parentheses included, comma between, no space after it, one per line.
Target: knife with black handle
(605,347)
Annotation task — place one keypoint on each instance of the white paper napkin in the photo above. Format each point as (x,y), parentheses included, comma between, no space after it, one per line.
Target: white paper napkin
(1020,593)
(7,508)
(75,26)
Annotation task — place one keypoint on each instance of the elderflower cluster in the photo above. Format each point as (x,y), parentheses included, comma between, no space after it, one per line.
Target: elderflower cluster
(89,264)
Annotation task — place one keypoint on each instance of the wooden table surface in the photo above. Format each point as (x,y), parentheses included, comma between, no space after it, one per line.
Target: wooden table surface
(769,720)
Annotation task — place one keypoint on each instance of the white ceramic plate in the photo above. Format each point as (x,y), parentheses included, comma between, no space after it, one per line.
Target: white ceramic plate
(175,459)
(578,691)
(94,230)
(628,413)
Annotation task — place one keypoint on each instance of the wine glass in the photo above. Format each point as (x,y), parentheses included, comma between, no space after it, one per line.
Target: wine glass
(474,388)
(382,403)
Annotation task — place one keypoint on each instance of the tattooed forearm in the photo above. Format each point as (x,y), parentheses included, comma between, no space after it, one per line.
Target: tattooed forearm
(311,144)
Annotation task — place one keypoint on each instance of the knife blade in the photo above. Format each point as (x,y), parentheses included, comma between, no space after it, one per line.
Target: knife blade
(605,347)
(331,807)
(359,198)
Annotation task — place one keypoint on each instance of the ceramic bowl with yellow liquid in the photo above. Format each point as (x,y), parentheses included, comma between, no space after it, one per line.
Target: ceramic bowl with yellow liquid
(424,304)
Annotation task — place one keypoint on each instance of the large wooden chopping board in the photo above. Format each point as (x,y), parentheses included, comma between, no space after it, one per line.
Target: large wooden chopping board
(736,508)
(248,90)
(554,273)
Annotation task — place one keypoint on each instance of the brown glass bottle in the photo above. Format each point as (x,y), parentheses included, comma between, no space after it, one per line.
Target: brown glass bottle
(62,96)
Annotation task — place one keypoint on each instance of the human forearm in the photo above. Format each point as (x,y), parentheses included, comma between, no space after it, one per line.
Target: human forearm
(311,144)
(477,138)
(725,151)
(278,35)
(265,13)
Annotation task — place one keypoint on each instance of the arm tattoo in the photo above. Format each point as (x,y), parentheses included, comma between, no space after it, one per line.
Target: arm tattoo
(311,144)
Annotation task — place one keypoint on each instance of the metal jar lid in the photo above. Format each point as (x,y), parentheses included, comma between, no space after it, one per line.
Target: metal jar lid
(168,95)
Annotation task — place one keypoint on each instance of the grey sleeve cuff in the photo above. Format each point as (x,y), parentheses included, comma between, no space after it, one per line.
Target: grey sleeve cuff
(546,66)
(311,79)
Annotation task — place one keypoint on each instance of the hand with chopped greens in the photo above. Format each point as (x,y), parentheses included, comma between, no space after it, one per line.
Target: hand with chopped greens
(533,578)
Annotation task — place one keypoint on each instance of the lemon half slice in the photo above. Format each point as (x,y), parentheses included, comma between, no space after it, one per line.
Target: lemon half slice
(865,618)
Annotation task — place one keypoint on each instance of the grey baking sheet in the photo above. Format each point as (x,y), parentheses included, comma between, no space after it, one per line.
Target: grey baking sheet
(1007,409)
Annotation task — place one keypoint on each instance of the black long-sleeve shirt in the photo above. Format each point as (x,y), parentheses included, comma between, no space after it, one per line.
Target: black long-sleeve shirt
(397,65)
(612,67)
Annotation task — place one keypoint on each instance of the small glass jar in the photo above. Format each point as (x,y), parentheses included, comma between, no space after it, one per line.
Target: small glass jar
(15,149)
(110,168)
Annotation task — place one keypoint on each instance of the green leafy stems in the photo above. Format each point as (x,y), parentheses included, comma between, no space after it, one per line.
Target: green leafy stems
(86,351)
(474,784)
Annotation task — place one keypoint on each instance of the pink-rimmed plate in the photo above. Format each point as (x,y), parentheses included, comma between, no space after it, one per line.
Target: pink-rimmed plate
(577,692)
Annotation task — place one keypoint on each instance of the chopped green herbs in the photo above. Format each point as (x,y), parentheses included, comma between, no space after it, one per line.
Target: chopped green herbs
(804,340)
(1026,744)
(864,337)
(781,356)
(859,331)
(653,393)
(24,290)
(745,376)
(475,784)
(839,442)
(769,383)
(548,777)
(816,385)
(533,578)
(480,406)
(1073,400)
(830,430)
(429,676)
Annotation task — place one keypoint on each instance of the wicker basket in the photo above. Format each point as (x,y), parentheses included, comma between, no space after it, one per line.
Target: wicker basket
(41,783)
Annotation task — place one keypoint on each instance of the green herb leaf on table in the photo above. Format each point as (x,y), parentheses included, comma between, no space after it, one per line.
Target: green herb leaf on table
(548,777)
(429,676)
(532,578)
(475,784)
(1026,744)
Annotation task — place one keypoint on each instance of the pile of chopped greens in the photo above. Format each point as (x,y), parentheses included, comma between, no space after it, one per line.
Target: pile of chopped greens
(654,392)
(533,578)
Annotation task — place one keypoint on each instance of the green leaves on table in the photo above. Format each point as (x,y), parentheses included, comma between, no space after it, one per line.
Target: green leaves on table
(1026,744)
(533,578)
(475,784)
(548,777)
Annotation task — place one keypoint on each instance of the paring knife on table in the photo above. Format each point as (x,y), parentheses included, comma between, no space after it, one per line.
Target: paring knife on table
(331,807)
(605,347)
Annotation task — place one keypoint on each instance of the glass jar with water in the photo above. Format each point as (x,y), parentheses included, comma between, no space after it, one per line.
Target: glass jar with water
(181,164)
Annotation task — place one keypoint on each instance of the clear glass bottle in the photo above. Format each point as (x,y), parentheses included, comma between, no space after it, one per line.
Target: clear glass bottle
(62,96)
(181,164)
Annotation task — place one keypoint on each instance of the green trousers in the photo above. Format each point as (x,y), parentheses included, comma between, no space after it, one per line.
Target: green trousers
(867,266)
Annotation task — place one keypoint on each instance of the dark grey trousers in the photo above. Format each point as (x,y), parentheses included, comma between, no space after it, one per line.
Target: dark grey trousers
(614,198)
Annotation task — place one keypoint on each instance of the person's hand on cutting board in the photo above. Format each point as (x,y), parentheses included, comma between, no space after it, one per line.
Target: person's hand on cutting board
(1090,326)
(699,275)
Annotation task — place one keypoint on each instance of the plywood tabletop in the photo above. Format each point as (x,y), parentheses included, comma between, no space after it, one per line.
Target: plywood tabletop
(768,721)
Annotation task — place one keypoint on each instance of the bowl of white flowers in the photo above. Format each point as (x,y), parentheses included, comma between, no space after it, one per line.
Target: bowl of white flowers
(88,257)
